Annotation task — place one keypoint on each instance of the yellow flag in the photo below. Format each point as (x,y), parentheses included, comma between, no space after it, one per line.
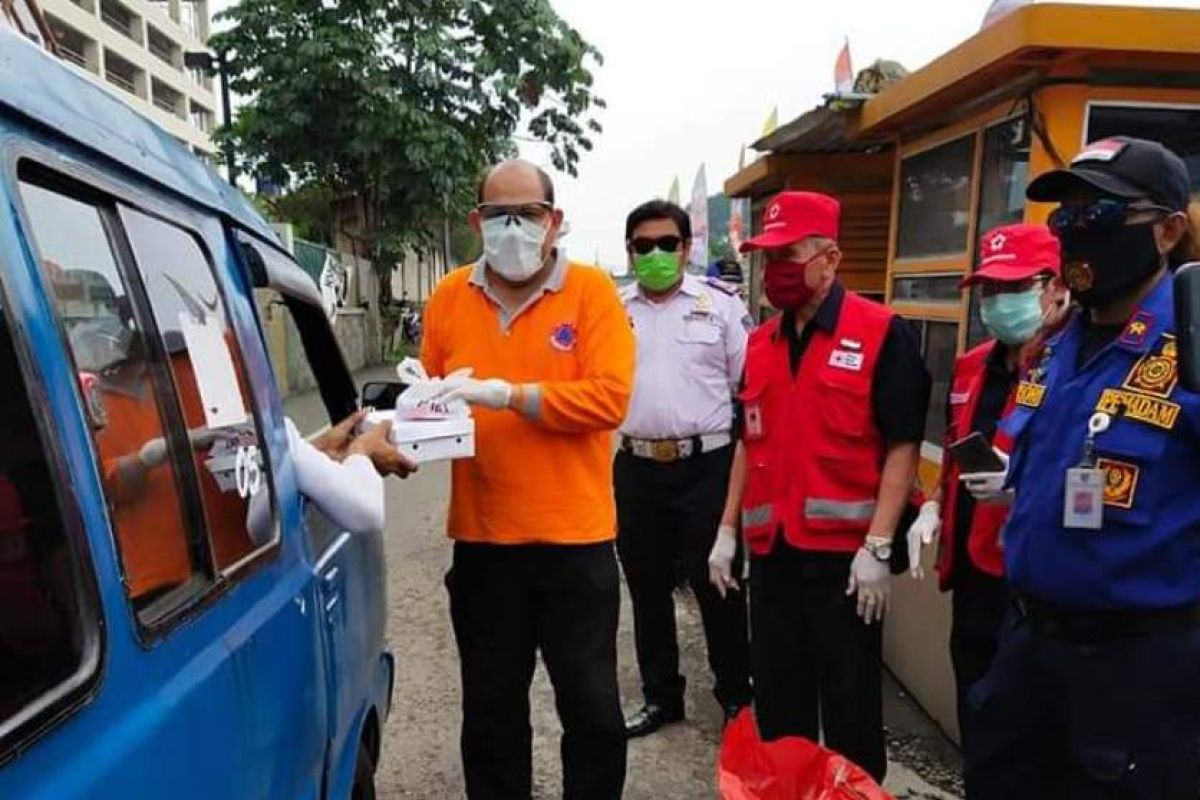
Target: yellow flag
(772,122)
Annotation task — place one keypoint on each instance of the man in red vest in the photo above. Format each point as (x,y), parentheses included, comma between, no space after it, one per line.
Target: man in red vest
(1021,300)
(833,401)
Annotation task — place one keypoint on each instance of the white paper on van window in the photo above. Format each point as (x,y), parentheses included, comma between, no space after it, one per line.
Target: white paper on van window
(216,377)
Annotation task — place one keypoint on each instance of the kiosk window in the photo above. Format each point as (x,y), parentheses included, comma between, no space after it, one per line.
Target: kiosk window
(939,345)
(162,562)
(935,201)
(1178,128)
(927,289)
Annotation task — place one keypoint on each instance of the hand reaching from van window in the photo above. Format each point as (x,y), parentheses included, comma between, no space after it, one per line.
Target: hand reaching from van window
(375,445)
(334,441)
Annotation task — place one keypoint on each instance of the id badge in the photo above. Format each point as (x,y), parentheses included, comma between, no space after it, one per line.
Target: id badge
(1083,507)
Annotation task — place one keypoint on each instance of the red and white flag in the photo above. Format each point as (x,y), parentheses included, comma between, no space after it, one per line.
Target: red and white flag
(843,71)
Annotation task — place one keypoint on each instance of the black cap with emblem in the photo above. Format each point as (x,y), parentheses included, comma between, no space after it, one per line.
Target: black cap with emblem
(1122,167)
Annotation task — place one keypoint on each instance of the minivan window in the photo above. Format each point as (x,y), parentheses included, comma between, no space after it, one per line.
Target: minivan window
(210,381)
(42,638)
(162,563)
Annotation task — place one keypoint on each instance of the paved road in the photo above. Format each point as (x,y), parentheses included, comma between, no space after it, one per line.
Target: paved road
(420,750)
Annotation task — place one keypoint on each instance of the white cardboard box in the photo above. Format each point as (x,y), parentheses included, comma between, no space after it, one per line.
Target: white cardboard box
(429,440)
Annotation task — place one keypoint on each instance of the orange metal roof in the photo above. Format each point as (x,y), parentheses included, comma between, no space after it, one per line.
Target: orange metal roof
(1033,37)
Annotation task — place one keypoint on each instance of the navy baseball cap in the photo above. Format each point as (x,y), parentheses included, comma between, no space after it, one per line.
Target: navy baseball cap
(1121,166)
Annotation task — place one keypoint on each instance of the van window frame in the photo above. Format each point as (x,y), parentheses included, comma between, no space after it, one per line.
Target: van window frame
(63,700)
(81,182)
(335,383)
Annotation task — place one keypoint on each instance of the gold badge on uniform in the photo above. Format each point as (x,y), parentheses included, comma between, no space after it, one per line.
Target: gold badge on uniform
(1120,482)
(1079,276)
(1030,395)
(1156,374)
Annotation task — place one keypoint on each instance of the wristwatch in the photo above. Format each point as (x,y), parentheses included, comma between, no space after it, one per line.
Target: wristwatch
(879,547)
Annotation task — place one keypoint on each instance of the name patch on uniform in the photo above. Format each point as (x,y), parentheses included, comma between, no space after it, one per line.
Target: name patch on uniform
(959,398)
(844,359)
(1030,395)
(851,344)
(1120,482)
(1156,374)
(1143,408)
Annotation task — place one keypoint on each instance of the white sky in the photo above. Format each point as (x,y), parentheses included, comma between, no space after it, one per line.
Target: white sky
(691,81)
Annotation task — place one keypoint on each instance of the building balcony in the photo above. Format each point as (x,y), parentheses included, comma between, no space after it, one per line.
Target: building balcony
(121,20)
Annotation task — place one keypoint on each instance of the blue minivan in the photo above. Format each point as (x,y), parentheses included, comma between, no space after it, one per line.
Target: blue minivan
(175,620)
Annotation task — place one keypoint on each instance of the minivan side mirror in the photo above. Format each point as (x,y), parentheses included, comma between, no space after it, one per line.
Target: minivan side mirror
(381,395)
(1187,324)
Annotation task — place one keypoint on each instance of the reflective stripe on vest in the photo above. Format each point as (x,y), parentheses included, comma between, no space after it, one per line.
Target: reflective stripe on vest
(842,510)
(754,517)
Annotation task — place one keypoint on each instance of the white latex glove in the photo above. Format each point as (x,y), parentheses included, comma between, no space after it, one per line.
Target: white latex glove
(988,487)
(872,580)
(153,453)
(492,393)
(720,560)
(923,532)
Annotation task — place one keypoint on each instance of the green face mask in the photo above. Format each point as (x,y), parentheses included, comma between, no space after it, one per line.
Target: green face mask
(657,271)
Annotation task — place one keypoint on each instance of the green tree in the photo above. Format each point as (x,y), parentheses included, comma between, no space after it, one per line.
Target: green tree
(392,107)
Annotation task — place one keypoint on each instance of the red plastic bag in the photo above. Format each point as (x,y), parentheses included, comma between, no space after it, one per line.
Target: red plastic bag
(792,768)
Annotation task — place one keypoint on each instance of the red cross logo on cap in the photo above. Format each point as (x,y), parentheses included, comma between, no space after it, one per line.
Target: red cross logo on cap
(997,242)
(773,211)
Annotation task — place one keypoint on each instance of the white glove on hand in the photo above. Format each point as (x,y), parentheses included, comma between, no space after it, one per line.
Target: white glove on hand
(872,579)
(720,560)
(988,487)
(153,453)
(922,532)
(492,393)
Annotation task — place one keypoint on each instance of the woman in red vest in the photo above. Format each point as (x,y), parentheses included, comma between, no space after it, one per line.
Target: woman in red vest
(1022,300)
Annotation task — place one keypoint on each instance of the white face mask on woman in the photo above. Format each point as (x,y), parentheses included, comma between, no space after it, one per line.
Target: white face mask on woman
(513,247)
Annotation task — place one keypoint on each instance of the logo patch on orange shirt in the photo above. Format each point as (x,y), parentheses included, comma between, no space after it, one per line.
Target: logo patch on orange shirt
(564,337)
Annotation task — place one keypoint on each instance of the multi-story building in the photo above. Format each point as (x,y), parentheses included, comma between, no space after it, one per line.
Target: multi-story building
(135,49)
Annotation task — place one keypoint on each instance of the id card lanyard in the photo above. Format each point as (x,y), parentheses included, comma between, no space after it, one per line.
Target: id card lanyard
(1083,500)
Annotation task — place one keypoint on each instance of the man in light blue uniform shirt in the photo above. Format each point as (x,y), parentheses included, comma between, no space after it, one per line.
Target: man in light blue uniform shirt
(673,466)
(1095,690)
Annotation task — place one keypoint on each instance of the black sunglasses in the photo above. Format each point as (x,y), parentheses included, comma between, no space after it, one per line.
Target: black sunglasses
(534,212)
(1103,214)
(643,245)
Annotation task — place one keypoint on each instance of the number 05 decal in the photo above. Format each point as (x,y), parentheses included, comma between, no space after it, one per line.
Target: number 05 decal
(247,471)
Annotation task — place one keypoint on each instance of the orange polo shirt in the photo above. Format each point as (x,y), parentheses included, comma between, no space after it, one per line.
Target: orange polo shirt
(542,475)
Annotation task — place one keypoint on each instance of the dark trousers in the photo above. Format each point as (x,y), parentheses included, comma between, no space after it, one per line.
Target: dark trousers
(817,665)
(507,602)
(1064,720)
(668,515)
(979,604)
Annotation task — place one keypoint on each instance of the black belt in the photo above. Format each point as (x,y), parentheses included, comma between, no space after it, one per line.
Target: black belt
(1090,626)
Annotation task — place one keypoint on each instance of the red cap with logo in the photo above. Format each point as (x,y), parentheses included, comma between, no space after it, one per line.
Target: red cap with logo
(793,216)
(1016,253)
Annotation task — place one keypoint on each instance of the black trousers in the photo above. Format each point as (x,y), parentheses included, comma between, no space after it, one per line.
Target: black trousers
(668,515)
(979,604)
(817,665)
(508,602)
(1099,720)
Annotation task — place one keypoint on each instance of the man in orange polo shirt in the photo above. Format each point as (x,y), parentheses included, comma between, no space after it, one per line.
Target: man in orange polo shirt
(532,515)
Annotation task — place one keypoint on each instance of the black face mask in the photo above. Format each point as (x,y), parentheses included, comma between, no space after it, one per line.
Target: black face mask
(1100,266)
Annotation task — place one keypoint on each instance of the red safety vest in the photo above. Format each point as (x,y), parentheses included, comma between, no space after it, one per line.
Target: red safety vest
(813,452)
(983,539)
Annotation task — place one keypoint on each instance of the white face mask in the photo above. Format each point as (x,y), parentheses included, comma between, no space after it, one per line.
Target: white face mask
(513,247)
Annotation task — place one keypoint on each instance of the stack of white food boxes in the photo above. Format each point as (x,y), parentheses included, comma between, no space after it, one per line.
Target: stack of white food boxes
(424,427)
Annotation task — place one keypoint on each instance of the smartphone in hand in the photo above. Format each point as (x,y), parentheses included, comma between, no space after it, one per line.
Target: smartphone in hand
(973,453)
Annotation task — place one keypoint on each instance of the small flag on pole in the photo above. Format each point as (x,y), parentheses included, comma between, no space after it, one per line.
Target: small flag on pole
(742,159)
(673,194)
(843,71)
(772,123)
(698,210)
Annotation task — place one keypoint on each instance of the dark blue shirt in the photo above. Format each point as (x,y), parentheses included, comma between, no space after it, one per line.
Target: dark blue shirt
(1147,554)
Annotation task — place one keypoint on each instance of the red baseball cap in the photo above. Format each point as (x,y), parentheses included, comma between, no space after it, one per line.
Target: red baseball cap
(792,216)
(1016,253)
